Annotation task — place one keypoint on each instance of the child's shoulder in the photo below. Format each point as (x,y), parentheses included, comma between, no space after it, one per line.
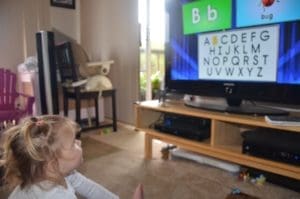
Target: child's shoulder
(42,191)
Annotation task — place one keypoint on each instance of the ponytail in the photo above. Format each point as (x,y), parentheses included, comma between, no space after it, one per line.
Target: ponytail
(31,145)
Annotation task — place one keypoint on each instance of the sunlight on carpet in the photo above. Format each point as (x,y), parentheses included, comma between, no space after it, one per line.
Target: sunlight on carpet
(93,148)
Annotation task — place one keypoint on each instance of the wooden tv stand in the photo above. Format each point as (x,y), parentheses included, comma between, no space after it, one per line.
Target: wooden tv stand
(225,141)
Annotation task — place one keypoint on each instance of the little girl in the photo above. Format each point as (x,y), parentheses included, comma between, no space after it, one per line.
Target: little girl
(40,158)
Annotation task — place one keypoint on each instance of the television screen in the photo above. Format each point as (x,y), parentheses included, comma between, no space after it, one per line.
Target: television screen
(236,49)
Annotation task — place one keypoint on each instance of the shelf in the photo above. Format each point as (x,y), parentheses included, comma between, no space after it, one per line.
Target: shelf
(177,107)
(225,141)
(231,148)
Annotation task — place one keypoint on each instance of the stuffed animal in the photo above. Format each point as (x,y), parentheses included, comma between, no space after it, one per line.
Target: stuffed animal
(99,82)
(94,72)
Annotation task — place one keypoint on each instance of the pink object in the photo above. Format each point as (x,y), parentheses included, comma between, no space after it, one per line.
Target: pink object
(9,109)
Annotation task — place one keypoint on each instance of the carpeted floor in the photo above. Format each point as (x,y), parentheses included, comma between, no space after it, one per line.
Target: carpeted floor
(91,148)
(116,161)
(123,169)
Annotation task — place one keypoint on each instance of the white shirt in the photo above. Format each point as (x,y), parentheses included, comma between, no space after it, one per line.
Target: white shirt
(76,182)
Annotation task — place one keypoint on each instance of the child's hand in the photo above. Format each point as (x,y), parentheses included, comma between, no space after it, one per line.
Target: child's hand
(139,192)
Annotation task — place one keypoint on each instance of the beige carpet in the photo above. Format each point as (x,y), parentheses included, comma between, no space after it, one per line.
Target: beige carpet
(121,171)
(95,149)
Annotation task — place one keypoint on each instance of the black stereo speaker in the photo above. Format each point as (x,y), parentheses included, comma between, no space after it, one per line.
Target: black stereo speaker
(48,94)
(184,126)
(276,145)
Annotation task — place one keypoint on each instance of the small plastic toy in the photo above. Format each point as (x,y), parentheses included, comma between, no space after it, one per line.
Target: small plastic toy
(235,191)
(165,151)
(106,130)
(260,180)
(244,176)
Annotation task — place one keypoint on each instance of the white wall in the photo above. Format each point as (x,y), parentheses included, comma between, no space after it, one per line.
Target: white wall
(19,21)
(109,30)
(66,21)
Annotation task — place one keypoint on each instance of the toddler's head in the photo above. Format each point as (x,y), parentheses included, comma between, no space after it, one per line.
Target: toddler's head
(41,148)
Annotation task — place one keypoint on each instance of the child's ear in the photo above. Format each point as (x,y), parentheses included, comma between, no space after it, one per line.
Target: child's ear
(51,166)
(139,192)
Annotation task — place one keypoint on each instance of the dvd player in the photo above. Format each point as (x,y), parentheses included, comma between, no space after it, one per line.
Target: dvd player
(276,145)
(184,126)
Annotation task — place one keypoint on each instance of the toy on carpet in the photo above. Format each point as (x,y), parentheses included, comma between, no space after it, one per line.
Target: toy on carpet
(245,176)
(237,194)
(165,151)
(106,131)
(260,180)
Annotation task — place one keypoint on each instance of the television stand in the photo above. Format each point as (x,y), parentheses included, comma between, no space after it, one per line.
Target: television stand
(225,140)
(236,106)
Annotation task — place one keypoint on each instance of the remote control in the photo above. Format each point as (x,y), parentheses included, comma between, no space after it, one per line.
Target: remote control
(283,120)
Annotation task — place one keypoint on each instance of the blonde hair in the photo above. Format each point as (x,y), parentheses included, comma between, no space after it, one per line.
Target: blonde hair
(31,145)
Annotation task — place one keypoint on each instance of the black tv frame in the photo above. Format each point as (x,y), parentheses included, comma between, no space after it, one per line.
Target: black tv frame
(234,92)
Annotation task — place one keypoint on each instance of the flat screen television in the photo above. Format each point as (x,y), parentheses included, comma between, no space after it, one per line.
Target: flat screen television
(234,49)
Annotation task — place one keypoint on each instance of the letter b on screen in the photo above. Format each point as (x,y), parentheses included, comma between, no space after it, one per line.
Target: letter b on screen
(206,15)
